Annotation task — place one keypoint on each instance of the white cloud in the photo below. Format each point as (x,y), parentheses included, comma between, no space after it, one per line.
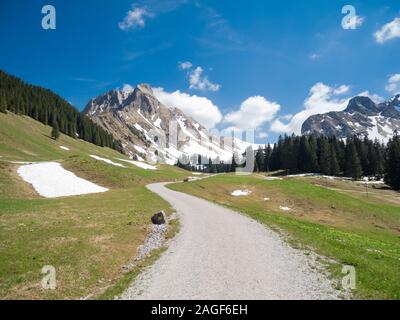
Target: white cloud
(253,112)
(374,97)
(286,117)
(322,99)
(389,31)
(201,109)
(341,90)
(185,65)
(353,22)
(262,135)
(315,56)
(134,18)
(279,127)
(200,82)
(393,85)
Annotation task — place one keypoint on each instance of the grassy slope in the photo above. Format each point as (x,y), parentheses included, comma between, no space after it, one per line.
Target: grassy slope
(357,231)
(87,238)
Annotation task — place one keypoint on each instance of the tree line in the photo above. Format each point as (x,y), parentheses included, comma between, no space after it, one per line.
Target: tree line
(50,109)
(356,157)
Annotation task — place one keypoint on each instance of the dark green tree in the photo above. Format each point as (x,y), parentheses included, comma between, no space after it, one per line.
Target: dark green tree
(307,158)
(324,156)
(259,160)
(233,164)
(3,106)
(335,168)
(353,164)
(55,131)
(392,177)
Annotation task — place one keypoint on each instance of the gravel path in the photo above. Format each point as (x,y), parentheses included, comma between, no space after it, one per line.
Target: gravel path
(220,254)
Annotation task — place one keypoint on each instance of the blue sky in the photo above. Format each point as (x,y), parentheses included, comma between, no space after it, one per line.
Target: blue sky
(256,63)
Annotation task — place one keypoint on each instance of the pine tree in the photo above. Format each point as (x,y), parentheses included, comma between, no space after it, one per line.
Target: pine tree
(353,164)
(379,151)
(3,106)
(392,177)
(335,168)
(55,132)
(259,161)
(267,158)
(273,160)
(233,164)
(313,154)
(324,156)
(307,160)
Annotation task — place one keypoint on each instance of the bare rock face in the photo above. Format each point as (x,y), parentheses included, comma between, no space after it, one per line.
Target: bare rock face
(362,117)
(152,131)
(159,218)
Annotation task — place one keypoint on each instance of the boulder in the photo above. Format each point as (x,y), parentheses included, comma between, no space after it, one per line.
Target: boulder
(158,218)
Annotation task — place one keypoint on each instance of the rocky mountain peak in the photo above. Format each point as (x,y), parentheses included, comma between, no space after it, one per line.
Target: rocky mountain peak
(395,101)
(361,104)
(142,98)
(145,88)
(105,102)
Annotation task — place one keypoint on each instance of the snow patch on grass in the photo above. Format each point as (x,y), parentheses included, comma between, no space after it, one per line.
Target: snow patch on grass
(51,180)
(139,164)
(273,178)
(241,193)
(108,161)
(65,148)
(285,208)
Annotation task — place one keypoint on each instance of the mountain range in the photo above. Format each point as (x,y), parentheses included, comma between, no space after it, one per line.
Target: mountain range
(152,131)
(362,117)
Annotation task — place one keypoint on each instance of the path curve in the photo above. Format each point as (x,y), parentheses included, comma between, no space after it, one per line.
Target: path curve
(222,255)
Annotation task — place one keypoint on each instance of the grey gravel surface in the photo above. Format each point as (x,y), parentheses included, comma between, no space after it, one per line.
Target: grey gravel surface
(220,254)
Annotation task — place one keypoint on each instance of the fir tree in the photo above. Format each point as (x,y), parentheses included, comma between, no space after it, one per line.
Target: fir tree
(324,156)
(267,158)
(55,132)
(307,158)
(3,106)
(259,161)
(233,165)
(392,177)
(353,164)
(335,168)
